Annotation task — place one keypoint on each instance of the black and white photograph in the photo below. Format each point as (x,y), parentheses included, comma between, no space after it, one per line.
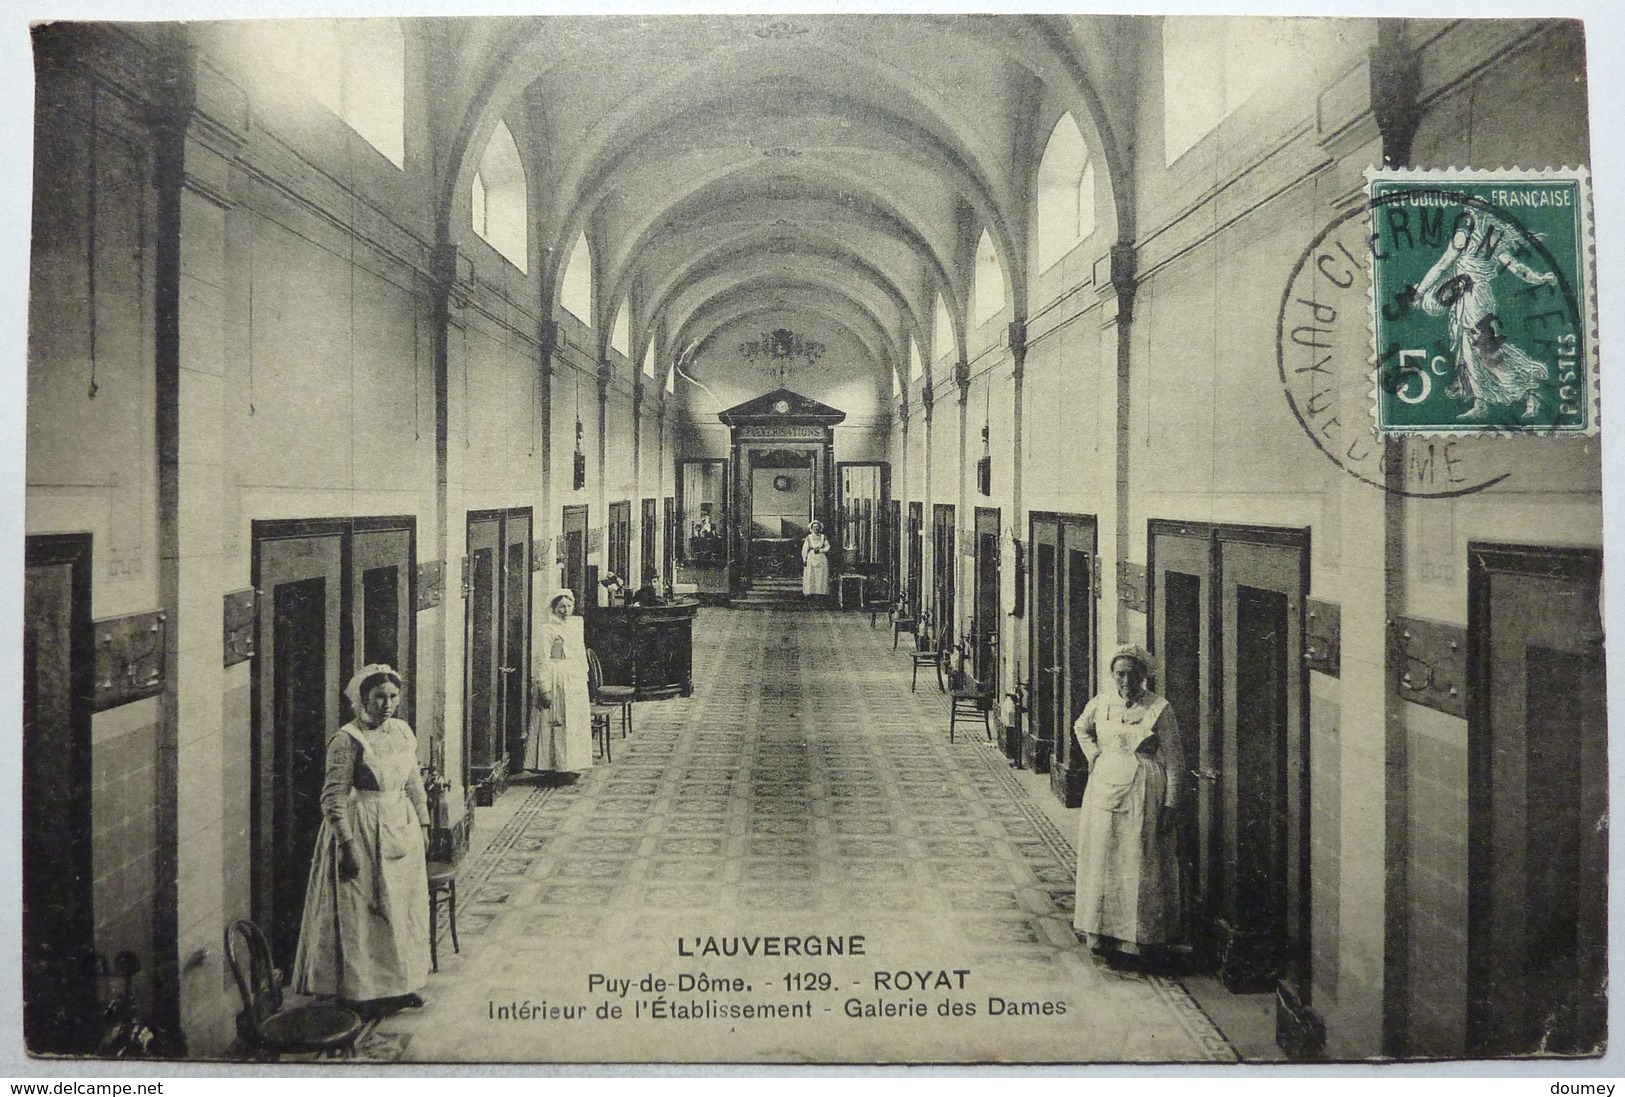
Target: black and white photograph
(806,538)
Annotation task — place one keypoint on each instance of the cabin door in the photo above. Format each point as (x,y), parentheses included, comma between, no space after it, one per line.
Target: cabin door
(59,994)
(1537,804)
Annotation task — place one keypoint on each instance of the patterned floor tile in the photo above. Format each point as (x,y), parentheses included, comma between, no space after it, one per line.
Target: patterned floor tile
(802,787)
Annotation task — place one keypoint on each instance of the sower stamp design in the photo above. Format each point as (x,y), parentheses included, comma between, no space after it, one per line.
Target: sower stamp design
(1481,302)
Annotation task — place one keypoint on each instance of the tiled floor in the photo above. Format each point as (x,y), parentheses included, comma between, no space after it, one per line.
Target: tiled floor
(801,792)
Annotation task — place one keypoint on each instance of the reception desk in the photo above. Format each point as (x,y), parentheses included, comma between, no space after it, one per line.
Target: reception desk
(650,648)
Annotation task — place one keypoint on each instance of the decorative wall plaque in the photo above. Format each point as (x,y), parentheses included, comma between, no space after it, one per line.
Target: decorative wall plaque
(431,583)
(239,626)
(1131,586)
(1322,637)
(1430,662)
(129,658)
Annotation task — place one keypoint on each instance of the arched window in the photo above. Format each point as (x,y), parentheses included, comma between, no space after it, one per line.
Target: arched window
(1065,205)
(943,333)
(916,367)
(576,292)
(649,360)
(987,296)
(620,336)
(1211,65)
(499,204)
(356,68)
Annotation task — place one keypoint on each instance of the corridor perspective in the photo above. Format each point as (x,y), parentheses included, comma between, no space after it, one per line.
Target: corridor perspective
(785,484)
(802,791)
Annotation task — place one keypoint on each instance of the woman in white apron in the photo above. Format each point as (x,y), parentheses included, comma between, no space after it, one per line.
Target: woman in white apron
(1128,897)
(815,563)
(561,718)
(365,932)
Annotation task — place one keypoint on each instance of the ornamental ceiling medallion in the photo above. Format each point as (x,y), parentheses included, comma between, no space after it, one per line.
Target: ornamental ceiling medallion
(780,29)
(782,348)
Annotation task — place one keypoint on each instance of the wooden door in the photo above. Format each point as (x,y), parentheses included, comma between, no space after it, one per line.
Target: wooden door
(894,550)
(1075,652)
(916,556)
(668,555)
(575,557)
(59,995)
(984,640)
(1264,759)
(1180,563)
(381,606)
(648,535)
(1537,803)
(515,615)
(483,663)
(298,677)
(620,539)
(1044,609)
(944,563)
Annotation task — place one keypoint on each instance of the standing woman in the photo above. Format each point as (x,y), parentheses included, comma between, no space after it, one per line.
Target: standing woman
(561,725)
(815,563)
(1128,898)
(365,933)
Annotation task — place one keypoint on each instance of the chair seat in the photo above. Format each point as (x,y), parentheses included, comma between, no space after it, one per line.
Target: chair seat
(310,1028)
(617,693)
(441,874)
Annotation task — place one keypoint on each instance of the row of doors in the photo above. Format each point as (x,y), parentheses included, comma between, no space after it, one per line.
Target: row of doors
(1225,625)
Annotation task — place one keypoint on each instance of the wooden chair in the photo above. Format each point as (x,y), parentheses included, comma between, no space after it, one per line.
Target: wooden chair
(266,1029)
(601,714)
(928,652)
(971,701)
(904,619)
(612,696)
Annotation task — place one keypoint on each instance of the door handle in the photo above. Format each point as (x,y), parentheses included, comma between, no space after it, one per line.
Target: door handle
(507,670)
(1205,773)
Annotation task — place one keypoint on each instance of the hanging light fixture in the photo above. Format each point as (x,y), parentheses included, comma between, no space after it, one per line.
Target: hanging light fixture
(580,478)
(984,467)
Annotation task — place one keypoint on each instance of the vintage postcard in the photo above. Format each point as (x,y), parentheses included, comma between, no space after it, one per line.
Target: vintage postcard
(793,538)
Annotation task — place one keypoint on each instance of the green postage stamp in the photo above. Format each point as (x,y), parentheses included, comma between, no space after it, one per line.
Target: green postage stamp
(1482,302)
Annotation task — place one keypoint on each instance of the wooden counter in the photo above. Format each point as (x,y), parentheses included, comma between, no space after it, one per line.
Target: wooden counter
(650,648)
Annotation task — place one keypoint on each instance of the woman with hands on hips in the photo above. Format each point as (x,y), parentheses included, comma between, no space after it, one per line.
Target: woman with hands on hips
(364,937)
(1128,887)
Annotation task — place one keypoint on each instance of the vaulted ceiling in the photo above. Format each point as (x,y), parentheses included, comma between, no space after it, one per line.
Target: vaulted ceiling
(734,173)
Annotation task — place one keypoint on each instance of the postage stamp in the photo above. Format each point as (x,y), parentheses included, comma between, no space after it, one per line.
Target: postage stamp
(1481,310)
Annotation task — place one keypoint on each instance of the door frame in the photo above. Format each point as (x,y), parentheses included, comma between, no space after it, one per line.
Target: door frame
(263,531)
(1484,560)
(78,1001)
(1215,535)
(503,742)
(1086,527)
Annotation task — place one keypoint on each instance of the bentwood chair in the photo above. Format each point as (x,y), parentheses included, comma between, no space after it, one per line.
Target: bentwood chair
(601,714)
(971,701)
(442,888)
(929,651)
(266,1029)
(611,695)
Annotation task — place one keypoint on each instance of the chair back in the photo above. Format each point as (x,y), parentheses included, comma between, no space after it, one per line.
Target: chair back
(250,958)
(595,674)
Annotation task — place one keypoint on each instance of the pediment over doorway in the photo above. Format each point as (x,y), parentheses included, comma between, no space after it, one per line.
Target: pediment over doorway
(782,406)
